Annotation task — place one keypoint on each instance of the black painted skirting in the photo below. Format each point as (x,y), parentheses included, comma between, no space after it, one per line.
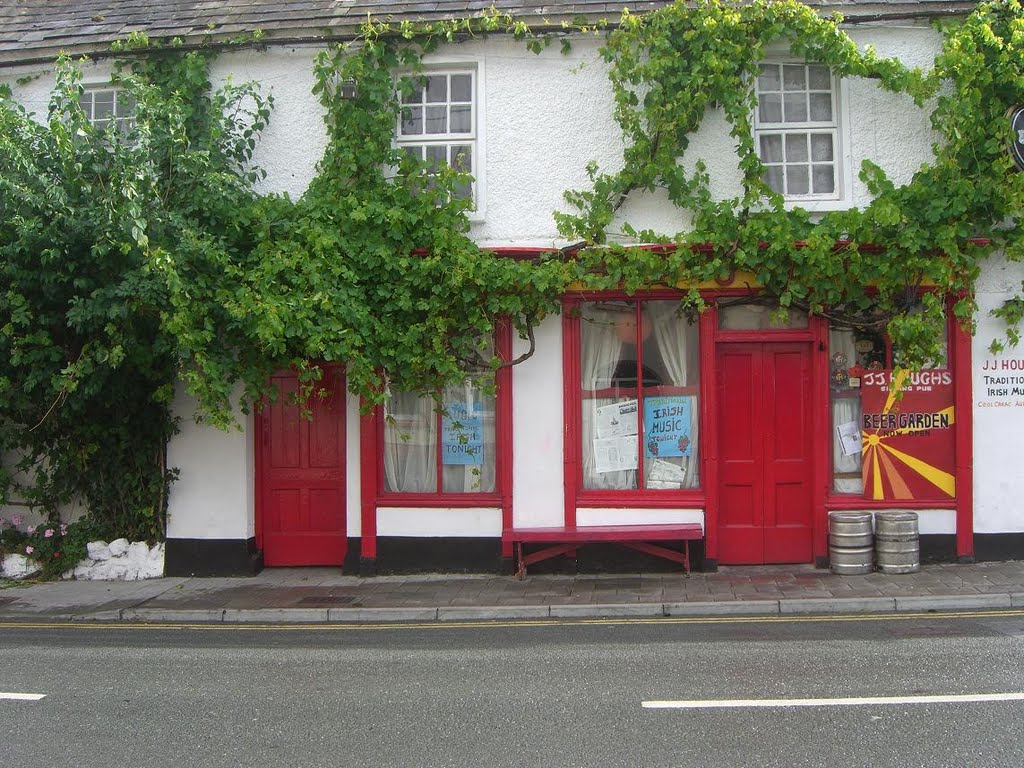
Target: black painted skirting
(998,546)
(941,548)
(404,555)
(212,557)
(400,555)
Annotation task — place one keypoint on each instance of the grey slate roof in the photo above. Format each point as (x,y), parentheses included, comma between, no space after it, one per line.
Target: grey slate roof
(34,30)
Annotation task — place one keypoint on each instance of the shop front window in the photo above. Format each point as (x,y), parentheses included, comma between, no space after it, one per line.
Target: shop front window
(448,445)
(639,377)
(863,350)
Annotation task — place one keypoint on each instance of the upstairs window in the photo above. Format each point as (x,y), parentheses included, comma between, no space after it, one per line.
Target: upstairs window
(796,130)
(103,106)
(438,123)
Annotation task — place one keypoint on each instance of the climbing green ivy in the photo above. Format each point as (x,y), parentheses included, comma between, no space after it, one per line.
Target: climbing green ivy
(131,262)
(860,266)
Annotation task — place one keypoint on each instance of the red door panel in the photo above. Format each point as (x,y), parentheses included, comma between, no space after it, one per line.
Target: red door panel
(302,476)
(741,513)
(765,434)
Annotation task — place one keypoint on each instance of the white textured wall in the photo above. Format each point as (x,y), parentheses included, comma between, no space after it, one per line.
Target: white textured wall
(537,430)
(214,495)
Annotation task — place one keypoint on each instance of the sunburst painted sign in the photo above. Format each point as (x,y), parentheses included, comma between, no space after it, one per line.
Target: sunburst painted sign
(907,442)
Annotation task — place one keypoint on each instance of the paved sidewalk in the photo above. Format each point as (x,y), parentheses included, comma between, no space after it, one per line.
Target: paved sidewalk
(294,595)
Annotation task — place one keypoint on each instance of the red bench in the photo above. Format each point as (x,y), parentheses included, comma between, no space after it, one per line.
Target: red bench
(563,540)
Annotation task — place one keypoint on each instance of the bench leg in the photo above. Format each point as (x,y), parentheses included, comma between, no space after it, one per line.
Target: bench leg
(683,558)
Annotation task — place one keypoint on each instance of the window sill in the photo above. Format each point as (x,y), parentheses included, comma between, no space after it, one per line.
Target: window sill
(836,502)
(645,499)
(818,206)
(468,500)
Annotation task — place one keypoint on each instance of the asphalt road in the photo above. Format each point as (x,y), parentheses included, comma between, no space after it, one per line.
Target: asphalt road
(517,694)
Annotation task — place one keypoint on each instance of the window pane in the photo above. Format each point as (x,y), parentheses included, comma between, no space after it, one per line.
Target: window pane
(85,102)
(821,147)
(819,78)
(821,107)
(943,359)
(462,118)
(467,440)
(125,105)
(758,317)
(796,147)
(610,443)
(769,108)
(797,182)
(646,372)
(669,417)
(437,88)
(415,96)
(103,105)
(462,158)
(769,78)
(436,155)
(437,120)
(414,152)
(410,444)
(771,148)
(824,178)
(462,88)
(795,107)
(775,179)
(846,458)
(412,121)
(794,77)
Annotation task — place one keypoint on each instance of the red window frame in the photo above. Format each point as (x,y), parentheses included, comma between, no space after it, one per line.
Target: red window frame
(573,396)
(502,442)
(956,354)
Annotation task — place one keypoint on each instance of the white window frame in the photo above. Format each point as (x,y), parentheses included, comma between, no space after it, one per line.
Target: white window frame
(475,138)
(123,121)
(839,127)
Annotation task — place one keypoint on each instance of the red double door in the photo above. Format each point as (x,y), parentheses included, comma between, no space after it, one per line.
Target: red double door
(765,452)
(302,474)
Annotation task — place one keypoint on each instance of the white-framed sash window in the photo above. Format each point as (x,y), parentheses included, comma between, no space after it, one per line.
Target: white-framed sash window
(104,106)
(438,123)
(797,130)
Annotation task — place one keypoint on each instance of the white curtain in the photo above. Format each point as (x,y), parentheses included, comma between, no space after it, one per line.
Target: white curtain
(670,334)
(410,444)
(600,347)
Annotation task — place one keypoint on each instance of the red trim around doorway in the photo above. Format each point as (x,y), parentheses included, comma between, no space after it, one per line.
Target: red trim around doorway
(964,432)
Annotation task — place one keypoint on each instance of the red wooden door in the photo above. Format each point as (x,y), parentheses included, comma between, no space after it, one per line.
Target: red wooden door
(302,476)
(765,467)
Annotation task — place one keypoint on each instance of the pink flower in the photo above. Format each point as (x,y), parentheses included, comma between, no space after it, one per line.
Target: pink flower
(29,549)
(17,520)
(31,529)
(48,533)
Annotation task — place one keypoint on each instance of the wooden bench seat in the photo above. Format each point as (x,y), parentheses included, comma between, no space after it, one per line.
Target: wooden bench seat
(639,537)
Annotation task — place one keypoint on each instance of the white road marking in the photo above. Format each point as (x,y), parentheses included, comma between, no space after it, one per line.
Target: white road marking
(23,696)
(837,702)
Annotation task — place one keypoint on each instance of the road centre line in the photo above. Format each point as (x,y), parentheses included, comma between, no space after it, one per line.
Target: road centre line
(835,702)
(22,696)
